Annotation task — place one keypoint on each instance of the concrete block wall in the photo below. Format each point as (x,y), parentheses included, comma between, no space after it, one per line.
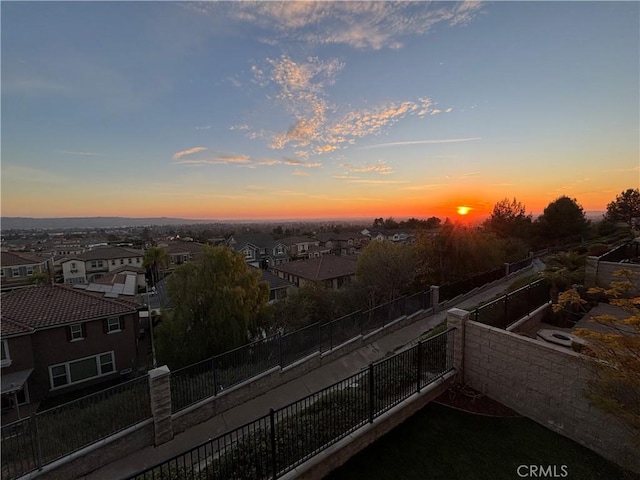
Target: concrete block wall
(546,383)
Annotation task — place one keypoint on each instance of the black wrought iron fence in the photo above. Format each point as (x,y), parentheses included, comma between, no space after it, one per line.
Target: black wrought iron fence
(20,449)
(46,436)
(275,444)
(297,345)
(451,290)
(339,331)
(509,308)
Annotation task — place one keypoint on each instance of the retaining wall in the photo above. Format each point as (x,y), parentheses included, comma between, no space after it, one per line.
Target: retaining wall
(543,382)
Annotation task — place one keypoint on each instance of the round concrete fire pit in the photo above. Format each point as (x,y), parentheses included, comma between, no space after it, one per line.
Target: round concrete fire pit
(559,337)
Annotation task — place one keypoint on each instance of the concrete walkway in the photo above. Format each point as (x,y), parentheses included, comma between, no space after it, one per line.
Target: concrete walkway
(302,386)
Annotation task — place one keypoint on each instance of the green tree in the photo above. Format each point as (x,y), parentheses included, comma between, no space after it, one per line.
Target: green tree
(625,208)
(155,260)
(614,385)
(458,252)
(387,269)
(509,219)
(217,303)
(563,270)
(562,220)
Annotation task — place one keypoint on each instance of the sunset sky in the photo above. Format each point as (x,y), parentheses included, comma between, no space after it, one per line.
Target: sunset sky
(240,110)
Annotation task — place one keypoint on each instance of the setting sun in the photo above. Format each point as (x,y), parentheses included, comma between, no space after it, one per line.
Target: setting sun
(463,210)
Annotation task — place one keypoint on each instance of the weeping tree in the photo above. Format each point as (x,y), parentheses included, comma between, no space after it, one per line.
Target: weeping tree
(217,303)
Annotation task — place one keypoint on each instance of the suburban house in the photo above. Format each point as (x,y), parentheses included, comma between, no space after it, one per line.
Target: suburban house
(182,252)
(279,288)
(260,250)
(330,271)
(342,243)
(93,264)
(299,246)
(18,268)
(57,338)
(398,236)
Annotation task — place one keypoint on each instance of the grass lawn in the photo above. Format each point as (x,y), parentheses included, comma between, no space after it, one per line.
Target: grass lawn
(443,443)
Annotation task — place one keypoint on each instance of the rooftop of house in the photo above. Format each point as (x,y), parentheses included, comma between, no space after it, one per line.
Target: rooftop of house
(28,309)
(260,240)
(180,248)
(109,253)
(274,281)
(325,267)
(14,259)
(298,240)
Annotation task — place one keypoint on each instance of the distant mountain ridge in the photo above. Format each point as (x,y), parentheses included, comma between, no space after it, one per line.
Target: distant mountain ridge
(24,223)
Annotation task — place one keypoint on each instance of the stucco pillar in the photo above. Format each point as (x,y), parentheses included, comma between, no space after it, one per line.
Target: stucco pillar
(434,291)
(457,318)
(160,396)
(506,269)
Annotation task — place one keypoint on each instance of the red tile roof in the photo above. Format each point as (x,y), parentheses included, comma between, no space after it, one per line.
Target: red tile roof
(45,306)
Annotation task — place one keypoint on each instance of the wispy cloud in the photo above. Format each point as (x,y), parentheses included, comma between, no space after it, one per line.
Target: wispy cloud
(462,175)
(318,126)
(423,187)
(189,151)
(222,159)
(361,25)
(379,167)
(301,163)
(84,154)
(203,127)
(379,182)
(300,173)
(421,142)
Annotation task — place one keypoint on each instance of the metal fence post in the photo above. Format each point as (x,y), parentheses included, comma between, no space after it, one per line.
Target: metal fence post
(272,421)
(506,311)
(280,350)
(372,408)
(419,367)
(330,335)
(38,447)
(215,381)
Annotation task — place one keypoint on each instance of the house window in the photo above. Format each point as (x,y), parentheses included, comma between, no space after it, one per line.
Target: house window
(129,260)
(247,254)
(81,370)
(113,325)
(96,264)
(113,262)
(138,260)
(122,261)
(15,272)
(185,258)
(30,270)
(73,265)
(76,332)
(1,272)
(6,359)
